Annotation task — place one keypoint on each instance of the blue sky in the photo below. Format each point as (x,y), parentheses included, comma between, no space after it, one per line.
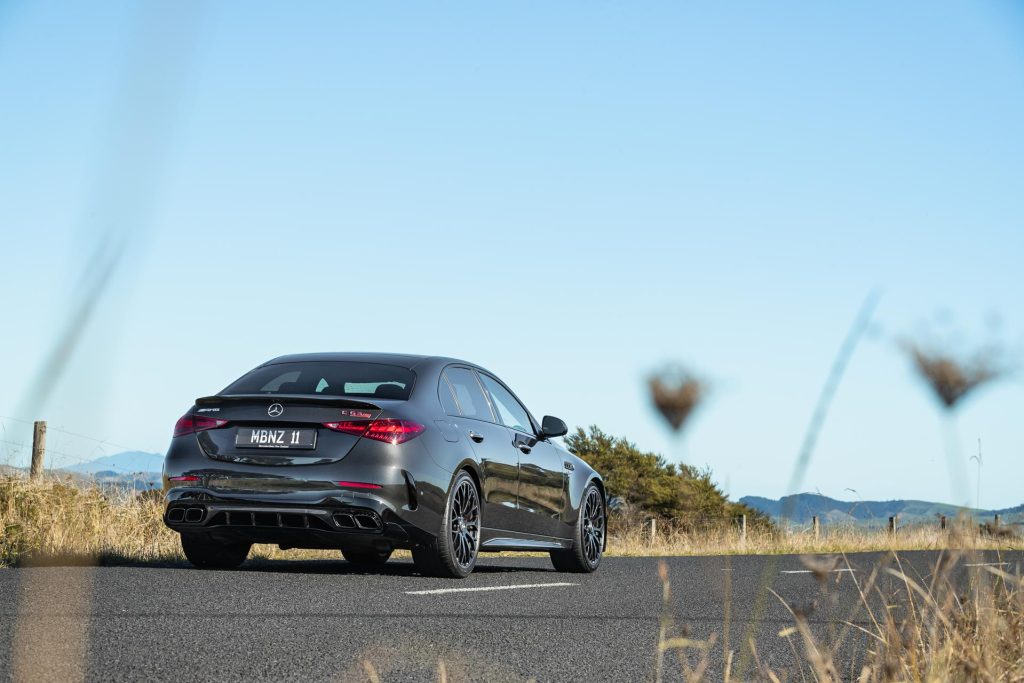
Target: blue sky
(572,195)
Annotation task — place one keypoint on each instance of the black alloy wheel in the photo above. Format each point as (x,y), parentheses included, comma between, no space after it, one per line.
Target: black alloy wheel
(588,547)
(457,546)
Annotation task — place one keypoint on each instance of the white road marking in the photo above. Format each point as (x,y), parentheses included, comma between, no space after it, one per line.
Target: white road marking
(811,571)
(988,564)
(440,591)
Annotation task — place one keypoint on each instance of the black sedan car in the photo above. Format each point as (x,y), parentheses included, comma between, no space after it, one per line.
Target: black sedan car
(367,453)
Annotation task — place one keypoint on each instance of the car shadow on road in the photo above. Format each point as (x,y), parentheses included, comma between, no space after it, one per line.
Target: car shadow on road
(399,567)
(394,568)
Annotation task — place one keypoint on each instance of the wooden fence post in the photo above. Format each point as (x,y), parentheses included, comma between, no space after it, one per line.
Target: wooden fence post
(892,524)
(997,521)
(654,529)
(816,525)
(743,528)
(942,522)
(38,449)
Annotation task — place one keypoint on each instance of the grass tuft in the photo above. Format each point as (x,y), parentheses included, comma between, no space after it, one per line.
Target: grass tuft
(58,521)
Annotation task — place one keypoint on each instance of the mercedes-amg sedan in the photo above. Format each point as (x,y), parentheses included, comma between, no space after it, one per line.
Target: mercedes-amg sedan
(367,453)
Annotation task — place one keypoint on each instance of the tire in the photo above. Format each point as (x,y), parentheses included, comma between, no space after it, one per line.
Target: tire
(206,553)
(366,557)
(588,536)
(455,549)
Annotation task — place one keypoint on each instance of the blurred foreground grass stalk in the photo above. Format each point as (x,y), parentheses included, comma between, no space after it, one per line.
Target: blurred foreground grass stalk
(943,630)
(61,521)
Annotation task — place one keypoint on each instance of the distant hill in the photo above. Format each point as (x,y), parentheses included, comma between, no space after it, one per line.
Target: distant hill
(127,462)
(145,472)
(139,481)
(804,506)
(128,470)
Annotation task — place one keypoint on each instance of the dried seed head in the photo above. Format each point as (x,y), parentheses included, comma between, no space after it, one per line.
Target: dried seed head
(676,393)
(953,378)
(821,567)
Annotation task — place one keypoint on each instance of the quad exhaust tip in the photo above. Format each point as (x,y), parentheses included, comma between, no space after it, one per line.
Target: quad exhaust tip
(195,514)
(190,515)
(360,520)
(364,521)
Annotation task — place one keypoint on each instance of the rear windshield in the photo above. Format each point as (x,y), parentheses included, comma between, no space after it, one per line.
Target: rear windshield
(331,378)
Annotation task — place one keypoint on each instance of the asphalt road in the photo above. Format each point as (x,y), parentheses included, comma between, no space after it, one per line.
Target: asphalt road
(323,620)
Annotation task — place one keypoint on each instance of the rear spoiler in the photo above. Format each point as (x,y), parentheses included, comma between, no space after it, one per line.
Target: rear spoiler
(308,399)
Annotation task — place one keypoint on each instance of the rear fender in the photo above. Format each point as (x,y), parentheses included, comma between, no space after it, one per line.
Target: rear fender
(579,478)
(474,470)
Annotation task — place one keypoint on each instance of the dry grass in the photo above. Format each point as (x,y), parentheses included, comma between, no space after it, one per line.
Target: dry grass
(929,630)
(60,521)
(725,539)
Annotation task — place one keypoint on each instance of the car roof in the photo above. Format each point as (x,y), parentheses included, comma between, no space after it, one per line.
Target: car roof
(404,360)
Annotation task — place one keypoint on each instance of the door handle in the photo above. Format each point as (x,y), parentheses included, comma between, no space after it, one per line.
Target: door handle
(476,437)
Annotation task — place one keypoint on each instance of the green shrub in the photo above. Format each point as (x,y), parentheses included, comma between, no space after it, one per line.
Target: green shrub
(649,485)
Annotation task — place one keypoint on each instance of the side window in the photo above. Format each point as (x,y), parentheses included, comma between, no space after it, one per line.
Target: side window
(468,394)
(444,392)
(512,412)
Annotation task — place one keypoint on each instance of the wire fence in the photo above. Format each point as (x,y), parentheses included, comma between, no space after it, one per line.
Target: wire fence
(65,450)
(733,528)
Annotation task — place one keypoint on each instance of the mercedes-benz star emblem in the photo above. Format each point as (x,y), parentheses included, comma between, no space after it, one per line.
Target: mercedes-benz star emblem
(275,410)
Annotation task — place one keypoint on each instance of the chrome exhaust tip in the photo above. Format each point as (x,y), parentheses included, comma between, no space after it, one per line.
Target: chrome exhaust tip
(366,521)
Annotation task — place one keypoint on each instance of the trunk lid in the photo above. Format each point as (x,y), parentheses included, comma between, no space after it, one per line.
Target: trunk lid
(280,429)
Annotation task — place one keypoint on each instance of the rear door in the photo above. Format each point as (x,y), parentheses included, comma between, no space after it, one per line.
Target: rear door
(468,407)
(541,492)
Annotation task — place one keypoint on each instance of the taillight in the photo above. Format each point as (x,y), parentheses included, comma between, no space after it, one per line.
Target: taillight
(389,430)
(394,431)
(185,478)
(357,485)
(190,425)
(349,427)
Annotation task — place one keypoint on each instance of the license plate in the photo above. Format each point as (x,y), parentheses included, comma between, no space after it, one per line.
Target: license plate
(275,438)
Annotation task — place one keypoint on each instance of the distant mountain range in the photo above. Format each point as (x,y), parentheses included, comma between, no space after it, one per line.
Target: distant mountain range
(127,462)
(131,469)
(804,506)
(128,470)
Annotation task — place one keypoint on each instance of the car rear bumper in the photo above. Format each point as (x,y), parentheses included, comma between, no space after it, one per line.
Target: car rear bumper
(366,521)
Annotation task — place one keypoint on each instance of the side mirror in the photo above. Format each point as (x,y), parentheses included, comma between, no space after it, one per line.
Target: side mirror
(552,426)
